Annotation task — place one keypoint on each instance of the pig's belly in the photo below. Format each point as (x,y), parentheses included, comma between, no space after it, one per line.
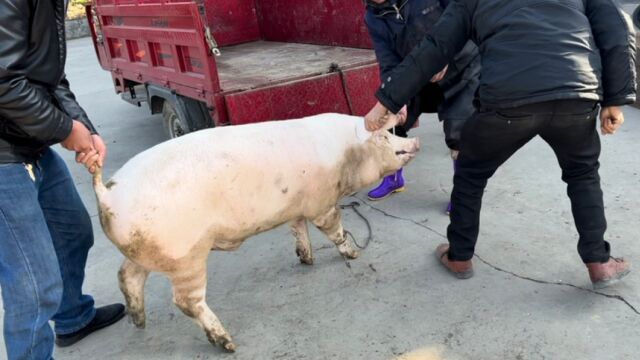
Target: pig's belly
(176,217)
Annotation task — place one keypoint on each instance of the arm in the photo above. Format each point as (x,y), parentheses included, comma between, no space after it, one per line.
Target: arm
(387,58)
(20,103)
(67,101)
(428,58)
(615,37)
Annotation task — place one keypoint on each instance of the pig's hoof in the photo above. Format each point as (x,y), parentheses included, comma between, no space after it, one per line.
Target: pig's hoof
(141,325)
(138,321)
(229,346)
(305,257)
(306,261)
(351,254)
(224,341)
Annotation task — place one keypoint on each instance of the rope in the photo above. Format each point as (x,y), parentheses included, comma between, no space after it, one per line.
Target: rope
(354,206)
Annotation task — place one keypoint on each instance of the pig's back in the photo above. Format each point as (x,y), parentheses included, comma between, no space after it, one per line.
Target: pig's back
(321,140)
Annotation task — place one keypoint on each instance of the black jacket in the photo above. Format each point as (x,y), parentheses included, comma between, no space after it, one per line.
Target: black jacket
(36,104)
(396,27)
(532,51)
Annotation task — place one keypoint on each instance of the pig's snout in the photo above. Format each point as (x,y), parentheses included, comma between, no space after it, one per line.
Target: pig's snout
(412,146)
(408,151)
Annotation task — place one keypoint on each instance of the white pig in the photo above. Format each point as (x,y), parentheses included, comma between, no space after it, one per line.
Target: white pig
(168,206)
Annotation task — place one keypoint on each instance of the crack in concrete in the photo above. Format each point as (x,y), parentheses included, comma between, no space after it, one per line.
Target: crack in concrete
(617,297)
(422,225)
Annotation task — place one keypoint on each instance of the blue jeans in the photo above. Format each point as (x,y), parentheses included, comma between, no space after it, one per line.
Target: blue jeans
(45,236)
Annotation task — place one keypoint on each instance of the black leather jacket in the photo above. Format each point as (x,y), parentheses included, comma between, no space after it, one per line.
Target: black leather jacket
(36,104)
(532,51)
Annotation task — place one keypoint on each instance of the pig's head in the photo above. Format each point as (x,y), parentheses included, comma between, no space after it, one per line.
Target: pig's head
(381,154)
(391,152)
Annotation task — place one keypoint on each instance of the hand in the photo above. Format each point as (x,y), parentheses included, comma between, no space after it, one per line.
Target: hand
(611,118)
(91,160)
(376,118)
(402,115)
(79,140)
(100,146)
(439,76)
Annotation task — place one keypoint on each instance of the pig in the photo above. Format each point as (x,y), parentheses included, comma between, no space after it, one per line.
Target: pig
(172,204)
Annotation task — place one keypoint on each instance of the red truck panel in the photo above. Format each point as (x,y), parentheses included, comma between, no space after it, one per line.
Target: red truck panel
(162,42)
(323,22)
(360,86)
(288,101)
(156,41)
(233,22)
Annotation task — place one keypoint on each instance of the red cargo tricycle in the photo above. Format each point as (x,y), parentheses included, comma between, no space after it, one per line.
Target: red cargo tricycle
(205,63)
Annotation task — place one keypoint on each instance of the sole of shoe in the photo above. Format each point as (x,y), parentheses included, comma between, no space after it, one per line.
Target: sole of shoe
(64,342)
(463,275)
(398,190)
(606,283)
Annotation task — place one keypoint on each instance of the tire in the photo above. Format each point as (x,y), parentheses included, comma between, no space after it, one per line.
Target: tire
(174,126)
(636,17)
(185,115)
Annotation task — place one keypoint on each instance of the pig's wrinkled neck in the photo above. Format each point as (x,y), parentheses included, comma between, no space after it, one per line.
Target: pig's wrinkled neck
(363,165)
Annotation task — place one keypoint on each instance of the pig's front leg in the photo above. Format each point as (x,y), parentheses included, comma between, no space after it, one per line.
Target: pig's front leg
(331,225)
(303,245)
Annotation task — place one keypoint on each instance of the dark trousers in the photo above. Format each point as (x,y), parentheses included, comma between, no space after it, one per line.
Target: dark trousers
(490,137)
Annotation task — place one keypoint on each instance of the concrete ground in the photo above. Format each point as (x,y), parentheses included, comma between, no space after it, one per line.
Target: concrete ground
(530,298)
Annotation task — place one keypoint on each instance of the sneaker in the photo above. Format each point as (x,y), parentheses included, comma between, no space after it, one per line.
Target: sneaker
(460,269)
(390,185)
(105,316)
(608,273)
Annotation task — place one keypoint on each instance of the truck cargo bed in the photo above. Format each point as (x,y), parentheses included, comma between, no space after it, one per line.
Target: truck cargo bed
(263,63)
(280,59)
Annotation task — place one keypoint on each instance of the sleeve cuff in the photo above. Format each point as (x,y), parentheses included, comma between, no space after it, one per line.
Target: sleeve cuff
(619,101)
(387,102)
(63,130)
(88,125)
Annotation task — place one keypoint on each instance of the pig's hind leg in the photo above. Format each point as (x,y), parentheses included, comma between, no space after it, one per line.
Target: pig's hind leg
(331,225)
(303,245)
(132,278)
(189,290)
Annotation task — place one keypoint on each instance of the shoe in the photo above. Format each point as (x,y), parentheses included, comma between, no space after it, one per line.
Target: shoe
(105,316)
(390,184)
(608,273)
(461,269)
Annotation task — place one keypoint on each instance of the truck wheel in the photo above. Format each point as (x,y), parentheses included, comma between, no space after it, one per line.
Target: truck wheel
(173,124)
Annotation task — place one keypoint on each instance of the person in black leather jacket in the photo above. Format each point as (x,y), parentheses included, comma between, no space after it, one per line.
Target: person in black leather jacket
(547,65)
(45,230)
(396,27)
